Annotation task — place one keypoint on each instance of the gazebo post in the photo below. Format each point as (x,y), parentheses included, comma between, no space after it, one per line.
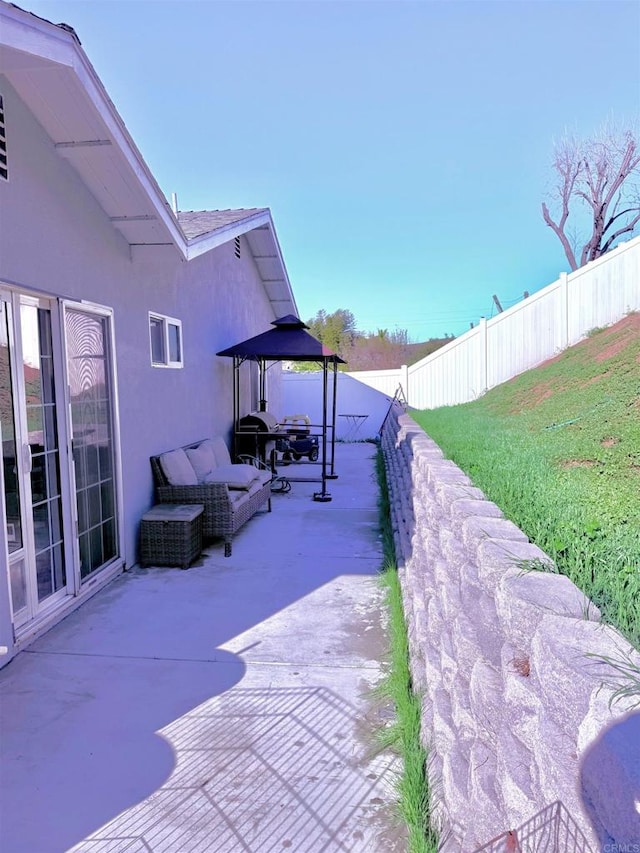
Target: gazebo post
(262,384)
(236,402)
(333,475)
(324,495)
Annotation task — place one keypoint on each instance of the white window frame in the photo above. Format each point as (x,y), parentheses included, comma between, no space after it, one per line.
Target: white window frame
(167,323)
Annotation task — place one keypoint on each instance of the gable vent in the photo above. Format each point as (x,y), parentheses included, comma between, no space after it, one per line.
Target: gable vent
(236,241)
(4,171)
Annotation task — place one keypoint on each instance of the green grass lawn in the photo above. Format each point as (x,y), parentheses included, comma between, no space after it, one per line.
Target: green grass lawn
(558,450)
(404,733)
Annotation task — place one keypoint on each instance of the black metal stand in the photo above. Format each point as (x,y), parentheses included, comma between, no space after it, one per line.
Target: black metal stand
(332,474)
(324,495)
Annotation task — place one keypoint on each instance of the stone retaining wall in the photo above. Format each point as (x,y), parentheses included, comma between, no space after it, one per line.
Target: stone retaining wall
(514,712)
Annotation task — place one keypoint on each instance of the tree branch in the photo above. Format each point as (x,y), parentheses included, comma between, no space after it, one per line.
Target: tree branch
(627,229)
(628,165)
(622,213)
(602,173)
(558,230)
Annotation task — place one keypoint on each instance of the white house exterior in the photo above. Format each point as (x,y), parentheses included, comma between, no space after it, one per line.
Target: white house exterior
(111,311)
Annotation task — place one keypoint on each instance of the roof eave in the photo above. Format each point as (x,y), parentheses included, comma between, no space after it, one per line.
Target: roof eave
(57,49)
(32,46)
(261,221)
(204,243)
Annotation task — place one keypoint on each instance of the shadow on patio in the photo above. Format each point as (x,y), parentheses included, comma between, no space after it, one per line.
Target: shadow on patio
(224,708)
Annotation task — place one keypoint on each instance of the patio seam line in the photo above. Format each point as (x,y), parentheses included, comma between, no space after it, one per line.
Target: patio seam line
(342,555)
(128,657)
(319,664)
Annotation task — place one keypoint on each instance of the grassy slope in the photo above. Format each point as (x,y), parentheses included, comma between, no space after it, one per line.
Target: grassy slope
(558,449)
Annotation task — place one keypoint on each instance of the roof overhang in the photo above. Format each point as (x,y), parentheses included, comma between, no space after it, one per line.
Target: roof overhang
(260,234)
(46,65)
(48,68)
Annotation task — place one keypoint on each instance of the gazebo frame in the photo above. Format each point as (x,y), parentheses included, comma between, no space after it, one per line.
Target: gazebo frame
(289,341)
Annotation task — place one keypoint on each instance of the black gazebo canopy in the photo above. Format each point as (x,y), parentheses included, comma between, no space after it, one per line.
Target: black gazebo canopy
(289,340)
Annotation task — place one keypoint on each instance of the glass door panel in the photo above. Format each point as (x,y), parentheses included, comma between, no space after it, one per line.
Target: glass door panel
(9,447)
(33,485)
(43,450)
(10,462)
(92,418)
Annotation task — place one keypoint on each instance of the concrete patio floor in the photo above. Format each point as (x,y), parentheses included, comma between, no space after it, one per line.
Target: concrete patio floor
(223,708)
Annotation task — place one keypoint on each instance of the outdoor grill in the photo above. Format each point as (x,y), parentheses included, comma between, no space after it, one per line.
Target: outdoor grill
(257,433)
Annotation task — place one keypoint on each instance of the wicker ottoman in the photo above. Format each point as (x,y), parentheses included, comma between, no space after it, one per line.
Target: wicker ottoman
(171,535)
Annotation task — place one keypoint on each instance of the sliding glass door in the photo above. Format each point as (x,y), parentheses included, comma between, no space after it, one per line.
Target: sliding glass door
(57,427)
(32,474)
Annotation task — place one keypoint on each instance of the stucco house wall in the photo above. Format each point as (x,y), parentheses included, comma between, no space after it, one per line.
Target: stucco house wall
(55,238)
(58,241)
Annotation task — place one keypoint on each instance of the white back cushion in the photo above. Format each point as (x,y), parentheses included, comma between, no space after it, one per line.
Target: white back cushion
(177,468)
(202,459)
(219,449)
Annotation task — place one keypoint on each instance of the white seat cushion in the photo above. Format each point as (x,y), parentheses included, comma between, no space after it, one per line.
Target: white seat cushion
(202,459)
(263,477)
(177,468)
(235,476)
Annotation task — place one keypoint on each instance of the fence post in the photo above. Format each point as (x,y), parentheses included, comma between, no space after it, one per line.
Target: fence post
(484,369)
(563,337)
(404,381)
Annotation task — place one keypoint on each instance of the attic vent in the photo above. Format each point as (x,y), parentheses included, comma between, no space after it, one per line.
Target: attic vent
(4,172)
(236,241)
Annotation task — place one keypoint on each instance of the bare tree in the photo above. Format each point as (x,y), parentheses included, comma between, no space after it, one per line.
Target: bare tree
(603,175)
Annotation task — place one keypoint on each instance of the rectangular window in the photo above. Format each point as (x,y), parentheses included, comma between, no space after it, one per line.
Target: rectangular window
(165,335)
(156,330)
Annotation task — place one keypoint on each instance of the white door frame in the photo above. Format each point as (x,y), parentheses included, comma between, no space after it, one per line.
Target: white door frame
(37,618)
(107,313)
(35,610)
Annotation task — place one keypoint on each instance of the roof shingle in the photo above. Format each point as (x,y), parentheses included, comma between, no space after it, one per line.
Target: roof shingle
(195,223)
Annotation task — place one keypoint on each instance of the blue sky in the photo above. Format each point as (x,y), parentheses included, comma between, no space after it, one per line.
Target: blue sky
(404,148)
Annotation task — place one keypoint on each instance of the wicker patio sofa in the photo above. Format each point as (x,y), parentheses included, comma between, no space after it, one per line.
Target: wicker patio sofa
(202,473)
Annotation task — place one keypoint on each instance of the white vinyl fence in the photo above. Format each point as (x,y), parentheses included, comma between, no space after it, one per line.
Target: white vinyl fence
(556,317)
(360,409)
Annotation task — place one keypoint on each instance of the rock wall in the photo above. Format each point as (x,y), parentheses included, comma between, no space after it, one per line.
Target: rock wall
(507,659)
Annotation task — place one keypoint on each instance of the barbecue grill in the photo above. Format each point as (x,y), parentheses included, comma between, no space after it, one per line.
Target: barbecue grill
(256,436)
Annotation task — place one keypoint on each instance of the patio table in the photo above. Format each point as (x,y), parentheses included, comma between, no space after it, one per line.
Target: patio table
(354,424)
